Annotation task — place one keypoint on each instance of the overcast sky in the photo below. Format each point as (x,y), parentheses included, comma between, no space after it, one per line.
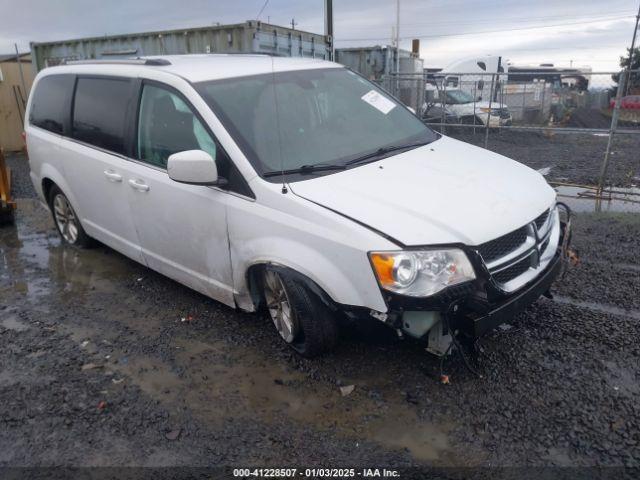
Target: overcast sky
(585,32)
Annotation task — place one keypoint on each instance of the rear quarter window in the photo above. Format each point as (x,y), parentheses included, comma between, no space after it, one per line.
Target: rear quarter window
(51,102)
(99,112)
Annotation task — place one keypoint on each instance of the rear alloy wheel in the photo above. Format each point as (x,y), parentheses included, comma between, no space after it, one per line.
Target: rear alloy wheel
(302,320)
(66,220)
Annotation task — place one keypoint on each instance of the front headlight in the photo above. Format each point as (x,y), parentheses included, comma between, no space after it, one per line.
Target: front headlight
(421,273)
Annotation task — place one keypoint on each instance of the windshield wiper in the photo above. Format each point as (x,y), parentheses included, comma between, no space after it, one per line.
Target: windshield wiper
(384,150)
(306,169)
(324,167)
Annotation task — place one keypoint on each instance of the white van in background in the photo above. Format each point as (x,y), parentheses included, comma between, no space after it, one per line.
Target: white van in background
(461,107)
(464,89)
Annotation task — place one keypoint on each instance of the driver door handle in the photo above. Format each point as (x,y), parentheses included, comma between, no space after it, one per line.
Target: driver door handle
(139,185)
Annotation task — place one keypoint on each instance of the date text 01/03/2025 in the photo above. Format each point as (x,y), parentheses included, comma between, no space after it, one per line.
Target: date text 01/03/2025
(315,472)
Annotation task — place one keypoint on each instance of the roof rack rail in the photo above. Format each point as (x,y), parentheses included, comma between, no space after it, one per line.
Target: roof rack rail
(152,62)
(266,54)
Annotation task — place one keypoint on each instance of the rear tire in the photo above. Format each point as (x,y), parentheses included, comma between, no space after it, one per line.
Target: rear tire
(67,222)
(302,319)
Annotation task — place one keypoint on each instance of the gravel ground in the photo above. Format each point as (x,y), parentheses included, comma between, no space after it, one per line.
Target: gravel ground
(575,158)
(98,367)
(21,186)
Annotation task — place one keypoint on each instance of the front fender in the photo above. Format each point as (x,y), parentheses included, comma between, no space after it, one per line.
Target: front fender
(329,273)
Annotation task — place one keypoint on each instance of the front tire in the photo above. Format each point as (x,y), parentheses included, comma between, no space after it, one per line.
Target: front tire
(303,321)
(66,220)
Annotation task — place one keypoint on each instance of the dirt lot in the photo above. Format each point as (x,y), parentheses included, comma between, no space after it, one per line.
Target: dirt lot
(575,158)
(98,367)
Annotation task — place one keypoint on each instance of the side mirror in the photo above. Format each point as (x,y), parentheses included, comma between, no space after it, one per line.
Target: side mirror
(195,167)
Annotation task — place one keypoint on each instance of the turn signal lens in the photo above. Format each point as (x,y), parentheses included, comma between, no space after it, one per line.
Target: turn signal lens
(383,265)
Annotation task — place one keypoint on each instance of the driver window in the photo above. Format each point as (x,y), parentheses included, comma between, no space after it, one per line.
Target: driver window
(166,125)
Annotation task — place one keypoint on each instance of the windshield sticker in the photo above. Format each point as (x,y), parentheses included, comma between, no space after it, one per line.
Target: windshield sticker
(378,101)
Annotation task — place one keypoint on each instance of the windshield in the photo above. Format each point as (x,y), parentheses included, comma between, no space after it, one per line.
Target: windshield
(321,117)
(458,96)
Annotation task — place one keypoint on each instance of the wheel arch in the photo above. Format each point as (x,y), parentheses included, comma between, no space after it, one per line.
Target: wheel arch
(254,282)
(50,176)
(47,184)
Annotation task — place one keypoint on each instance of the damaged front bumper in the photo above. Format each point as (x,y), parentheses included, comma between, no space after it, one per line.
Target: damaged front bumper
(474,308)
(476,322)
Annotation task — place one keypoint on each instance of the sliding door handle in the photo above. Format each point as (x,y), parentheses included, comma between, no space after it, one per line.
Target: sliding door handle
(113,176)
(139,185)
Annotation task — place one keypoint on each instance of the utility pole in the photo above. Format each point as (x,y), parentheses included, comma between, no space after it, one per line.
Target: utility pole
(293,24)
(633,46)
(328,27)
(397,47)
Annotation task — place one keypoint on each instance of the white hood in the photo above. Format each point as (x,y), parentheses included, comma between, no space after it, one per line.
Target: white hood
(445,192)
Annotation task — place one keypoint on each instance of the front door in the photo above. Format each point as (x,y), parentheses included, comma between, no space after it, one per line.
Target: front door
(182,228)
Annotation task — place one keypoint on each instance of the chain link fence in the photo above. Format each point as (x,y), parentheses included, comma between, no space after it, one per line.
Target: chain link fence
(565,122)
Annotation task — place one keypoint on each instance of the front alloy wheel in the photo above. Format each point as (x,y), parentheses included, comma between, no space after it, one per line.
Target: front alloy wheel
(302,319)
(279,307)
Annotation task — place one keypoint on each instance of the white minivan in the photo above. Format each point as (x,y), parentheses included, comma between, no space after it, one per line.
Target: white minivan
(294,186)
(458,106)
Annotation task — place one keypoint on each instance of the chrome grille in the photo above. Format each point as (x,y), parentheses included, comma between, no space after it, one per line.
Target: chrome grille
(502,246)
(513,271)
(514,259)
(541,219)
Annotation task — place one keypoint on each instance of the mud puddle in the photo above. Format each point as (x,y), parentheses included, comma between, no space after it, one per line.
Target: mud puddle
(12,323)
(581,199)
(216,382)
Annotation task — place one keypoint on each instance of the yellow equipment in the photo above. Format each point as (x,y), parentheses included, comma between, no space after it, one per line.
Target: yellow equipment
(7,205)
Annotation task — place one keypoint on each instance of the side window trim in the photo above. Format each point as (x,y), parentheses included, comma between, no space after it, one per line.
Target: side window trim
(68,128)
(131,119)
(243,189)
(67,119)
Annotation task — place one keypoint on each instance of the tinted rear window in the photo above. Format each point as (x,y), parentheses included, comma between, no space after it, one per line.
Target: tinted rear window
(99,112)
(51,102)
